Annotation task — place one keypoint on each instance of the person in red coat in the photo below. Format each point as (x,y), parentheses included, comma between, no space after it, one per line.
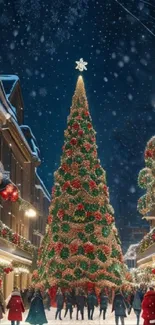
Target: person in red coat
(148,306)
(16,307)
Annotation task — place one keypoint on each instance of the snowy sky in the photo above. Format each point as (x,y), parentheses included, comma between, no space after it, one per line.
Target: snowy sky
(40,42)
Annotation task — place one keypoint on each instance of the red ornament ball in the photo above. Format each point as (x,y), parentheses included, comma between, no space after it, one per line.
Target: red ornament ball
(76,183)
(86,113)
(89,125)
(92,184)
(60,214)
(14,196)
(49,220)
(88,248)
(5,195)
(98,216)
(153,237)
(73,141)
(80,207)
(66,185)
(80,133)
(153,271)
(75,126)
(148,153)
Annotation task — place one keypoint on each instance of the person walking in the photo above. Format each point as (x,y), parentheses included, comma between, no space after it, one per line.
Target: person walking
(2,305)
(36,313)
(47,300)
(60,303)
(148,307)
(16,307)
(136,304)
(80,303)
(91,303)
(119,307)
(69,304)
(103,303)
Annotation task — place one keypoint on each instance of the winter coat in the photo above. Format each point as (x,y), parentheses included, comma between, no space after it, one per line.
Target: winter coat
(47,300)
(36,313)
(119,305)
(59,300)
(148,306)
(103,301)
(136,304)
(80,301)
(69,299)
(92,300)
(15,306)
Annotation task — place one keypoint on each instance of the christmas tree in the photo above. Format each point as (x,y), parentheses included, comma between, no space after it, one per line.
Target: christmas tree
(146,179)
(81,244)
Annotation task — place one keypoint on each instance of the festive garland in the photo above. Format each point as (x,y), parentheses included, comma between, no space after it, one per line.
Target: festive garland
(146,179)
(147,241)
(14,238)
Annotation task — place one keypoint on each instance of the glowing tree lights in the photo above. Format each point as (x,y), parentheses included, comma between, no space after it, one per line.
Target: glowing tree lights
(81,244)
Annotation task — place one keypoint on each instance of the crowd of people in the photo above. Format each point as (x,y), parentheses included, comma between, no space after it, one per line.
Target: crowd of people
(139,299)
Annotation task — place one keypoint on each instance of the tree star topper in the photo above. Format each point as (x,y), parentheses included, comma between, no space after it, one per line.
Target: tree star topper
(81,65)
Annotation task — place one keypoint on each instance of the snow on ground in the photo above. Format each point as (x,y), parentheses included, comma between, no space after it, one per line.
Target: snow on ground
(110,320)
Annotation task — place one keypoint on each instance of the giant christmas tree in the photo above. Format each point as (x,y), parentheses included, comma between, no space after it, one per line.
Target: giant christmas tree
(81,244)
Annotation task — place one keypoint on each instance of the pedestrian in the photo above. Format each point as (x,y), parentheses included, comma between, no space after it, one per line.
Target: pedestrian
(16,307)
(2,305)
(69,304)
(80,303)
(148,307)
(103,303)
(91,303)
(119,306)
(60,303)
(47,300)
(36,313)
(136,304)
(30,292)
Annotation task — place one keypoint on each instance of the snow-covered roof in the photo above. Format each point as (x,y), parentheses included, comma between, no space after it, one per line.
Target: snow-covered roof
(31,140)
(131,252)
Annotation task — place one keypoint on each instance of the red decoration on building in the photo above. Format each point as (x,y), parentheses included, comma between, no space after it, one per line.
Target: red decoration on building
(153,237)
(86,113)
(73,141)
(153,271)
(89,214)
(69,152)
(16,239)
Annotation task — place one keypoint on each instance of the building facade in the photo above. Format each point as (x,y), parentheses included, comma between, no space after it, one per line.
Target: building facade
(20,157)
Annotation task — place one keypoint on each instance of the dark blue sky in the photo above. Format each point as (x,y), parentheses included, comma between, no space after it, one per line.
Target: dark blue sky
(40,42)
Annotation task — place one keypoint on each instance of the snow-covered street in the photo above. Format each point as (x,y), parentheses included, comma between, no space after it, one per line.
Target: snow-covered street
(130,320)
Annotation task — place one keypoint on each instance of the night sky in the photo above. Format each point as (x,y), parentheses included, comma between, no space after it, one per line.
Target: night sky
(40,42)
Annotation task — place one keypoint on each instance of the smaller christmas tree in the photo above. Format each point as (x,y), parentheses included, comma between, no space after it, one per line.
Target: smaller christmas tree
(146,179)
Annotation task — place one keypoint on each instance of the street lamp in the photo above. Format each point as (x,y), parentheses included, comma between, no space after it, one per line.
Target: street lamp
(30,213)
